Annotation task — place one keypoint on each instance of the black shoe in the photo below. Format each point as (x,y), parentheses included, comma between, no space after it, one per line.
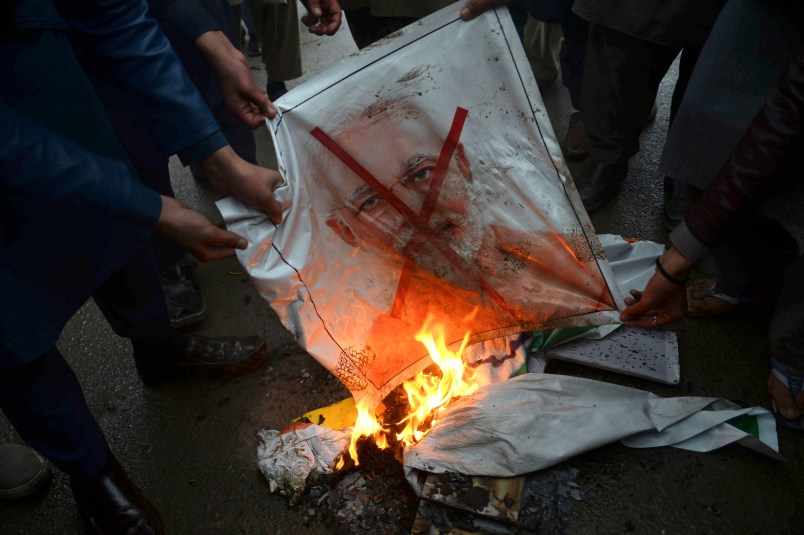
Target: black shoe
(675,202)
(576,143)
(22,471)
(185,302)
(110,503)
(181,357)
(275,90)
(253,47)
(598,183)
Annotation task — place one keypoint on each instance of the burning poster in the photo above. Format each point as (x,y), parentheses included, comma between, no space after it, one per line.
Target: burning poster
(423,180)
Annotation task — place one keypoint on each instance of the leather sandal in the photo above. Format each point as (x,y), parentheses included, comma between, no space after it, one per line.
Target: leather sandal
(705,298)
(794,383)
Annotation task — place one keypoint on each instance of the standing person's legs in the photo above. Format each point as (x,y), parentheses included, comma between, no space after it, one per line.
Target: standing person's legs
(253,47)
(44,402)
(573,56)
(621,76)
(132,300)
(675,191)
(542,42)
(786,384)
(237,16)
(134,305)
(277,25)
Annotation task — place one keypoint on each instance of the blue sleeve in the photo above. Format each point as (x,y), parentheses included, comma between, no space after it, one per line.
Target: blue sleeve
(130,48)
(38,162)
(184,17)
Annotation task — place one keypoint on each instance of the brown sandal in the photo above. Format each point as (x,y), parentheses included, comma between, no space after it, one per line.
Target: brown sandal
(705,299)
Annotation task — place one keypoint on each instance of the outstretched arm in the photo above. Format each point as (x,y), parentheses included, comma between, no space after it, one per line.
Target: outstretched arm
(195,233)
(130,47)
(38,162)
(231,175)
(744,182)
(244,99)
(664,300)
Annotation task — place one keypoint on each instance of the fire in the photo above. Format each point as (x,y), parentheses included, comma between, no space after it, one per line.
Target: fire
(427,395)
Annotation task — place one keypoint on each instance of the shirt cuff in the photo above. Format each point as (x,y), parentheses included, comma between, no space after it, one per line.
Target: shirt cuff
(685,241)
(189,19)
(145,205)
(202,148)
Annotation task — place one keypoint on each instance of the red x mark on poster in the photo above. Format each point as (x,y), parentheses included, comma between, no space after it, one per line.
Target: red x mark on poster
(421,220)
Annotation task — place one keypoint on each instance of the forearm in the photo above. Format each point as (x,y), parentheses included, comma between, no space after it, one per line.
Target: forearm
(40,163)
(130,47)
(218,50)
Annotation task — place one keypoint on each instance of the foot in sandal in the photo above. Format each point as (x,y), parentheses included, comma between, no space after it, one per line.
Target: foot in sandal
(785,386)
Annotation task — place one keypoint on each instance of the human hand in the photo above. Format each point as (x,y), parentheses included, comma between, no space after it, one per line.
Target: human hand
(243,98)
(195,233)
(473,8)
(323,16)
(663,301)
(231,175)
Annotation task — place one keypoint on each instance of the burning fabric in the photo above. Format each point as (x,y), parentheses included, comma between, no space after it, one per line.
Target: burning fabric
(423,180)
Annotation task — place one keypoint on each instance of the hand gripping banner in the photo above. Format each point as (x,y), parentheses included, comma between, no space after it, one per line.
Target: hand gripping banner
(423,179)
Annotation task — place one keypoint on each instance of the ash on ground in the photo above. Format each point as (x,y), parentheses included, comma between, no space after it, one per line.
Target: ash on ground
(372,498)
(546,505)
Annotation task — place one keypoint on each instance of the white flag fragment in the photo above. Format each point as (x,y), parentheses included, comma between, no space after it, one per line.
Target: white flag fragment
(422,178)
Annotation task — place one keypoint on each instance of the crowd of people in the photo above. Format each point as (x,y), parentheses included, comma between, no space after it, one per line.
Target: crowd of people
(161,78)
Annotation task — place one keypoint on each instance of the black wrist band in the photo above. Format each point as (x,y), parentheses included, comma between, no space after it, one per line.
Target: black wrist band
(666,275)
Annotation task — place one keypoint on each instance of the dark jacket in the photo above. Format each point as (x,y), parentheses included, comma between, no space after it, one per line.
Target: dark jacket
(71,210)
(755,170)
(665,22)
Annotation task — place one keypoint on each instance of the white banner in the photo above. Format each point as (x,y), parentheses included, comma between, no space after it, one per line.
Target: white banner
(422,178)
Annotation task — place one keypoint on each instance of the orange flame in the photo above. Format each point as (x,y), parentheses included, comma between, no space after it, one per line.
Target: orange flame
(427,395)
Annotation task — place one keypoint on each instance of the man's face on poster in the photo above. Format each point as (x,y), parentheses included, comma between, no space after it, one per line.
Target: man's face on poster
(401,153)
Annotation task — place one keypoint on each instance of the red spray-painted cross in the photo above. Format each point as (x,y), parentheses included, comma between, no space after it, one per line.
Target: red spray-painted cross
(421,220)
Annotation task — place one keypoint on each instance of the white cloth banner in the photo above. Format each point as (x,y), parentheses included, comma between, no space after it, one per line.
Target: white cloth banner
(422,178)
(537,420)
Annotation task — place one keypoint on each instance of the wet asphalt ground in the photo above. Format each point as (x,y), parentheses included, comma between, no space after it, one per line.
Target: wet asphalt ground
(191,447)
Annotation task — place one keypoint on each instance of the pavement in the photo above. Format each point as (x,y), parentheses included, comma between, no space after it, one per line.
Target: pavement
(191,447)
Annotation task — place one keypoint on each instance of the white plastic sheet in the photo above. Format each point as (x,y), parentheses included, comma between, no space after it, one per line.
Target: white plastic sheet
(537,420)
(423,178)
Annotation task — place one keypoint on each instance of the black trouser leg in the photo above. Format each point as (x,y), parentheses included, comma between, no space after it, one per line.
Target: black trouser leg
(44,402)
(620,80)
(133,302)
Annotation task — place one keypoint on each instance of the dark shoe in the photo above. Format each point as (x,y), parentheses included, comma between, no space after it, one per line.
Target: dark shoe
(576,144)
(110,503)
(253,47)
(22,471)
(598,183)
(275,90)
(185,302)
(675,202)
(182,357)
